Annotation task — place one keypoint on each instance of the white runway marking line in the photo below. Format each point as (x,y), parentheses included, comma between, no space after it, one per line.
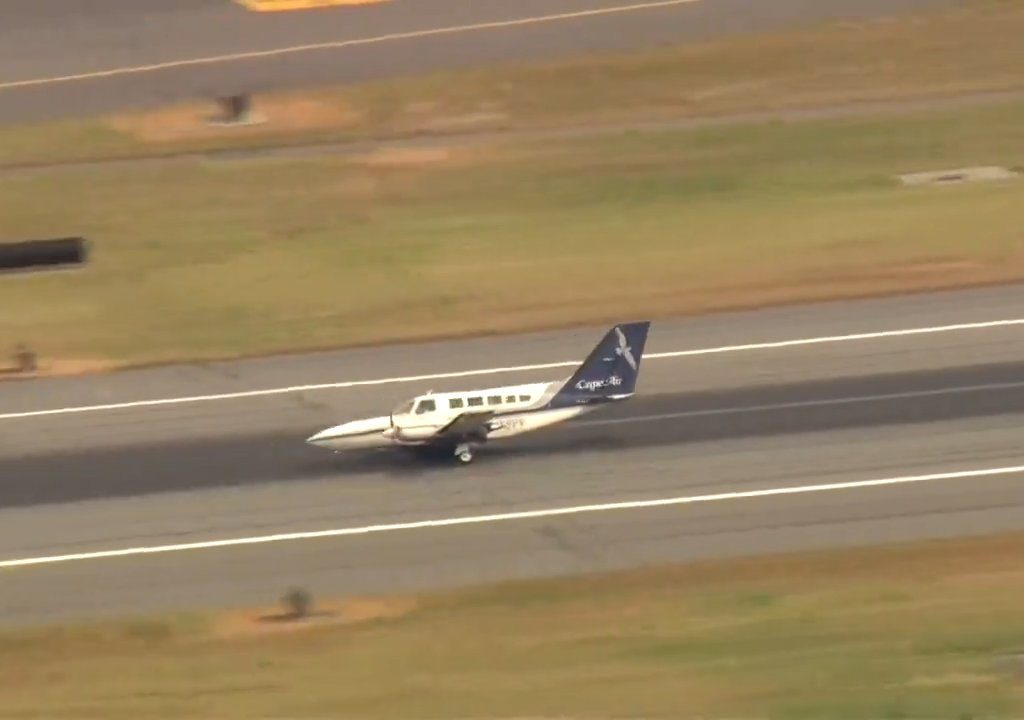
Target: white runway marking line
(520,368)
(339,44)
(504,517)
(825,402)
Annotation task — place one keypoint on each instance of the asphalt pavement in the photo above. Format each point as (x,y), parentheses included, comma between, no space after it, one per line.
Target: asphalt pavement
(875,389)
(47,40)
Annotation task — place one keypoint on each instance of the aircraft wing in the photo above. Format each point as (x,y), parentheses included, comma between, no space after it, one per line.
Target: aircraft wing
(465,424)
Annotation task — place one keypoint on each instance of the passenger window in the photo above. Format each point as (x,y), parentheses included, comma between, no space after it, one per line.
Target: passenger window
(524,398)
(510,398)
(455,403)
(494,400)
(425,406)
(475,401)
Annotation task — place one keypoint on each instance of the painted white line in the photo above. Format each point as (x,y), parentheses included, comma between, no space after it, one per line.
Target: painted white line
(876,335)
(338,44)
(284,390)
(519,368)
(504,517)
(803,404)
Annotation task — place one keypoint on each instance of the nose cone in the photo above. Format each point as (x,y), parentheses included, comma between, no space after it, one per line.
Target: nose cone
(320,437)
(358,433)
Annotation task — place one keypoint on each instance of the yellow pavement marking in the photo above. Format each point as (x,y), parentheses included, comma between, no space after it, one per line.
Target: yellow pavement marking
(283,5)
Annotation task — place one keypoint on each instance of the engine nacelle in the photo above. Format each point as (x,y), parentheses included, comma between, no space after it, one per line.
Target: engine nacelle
(407,429)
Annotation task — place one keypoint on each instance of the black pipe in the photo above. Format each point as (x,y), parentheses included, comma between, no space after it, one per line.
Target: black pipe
(33,254)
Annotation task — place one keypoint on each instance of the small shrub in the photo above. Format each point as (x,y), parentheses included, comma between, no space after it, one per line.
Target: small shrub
(298,603)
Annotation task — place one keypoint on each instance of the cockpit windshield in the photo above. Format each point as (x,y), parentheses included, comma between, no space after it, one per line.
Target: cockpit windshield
(405,408)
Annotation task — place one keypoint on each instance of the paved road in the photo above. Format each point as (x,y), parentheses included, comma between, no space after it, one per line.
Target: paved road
(54,38)
(740,420)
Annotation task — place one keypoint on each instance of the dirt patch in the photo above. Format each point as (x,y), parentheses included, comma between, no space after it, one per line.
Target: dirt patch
(406,157)
(353,611)
(957,176)
(468,121)
(937,266)
(434,156)
(953,680)
(448,154)
(75,366)
(276,115)
(61,368)
(367,609)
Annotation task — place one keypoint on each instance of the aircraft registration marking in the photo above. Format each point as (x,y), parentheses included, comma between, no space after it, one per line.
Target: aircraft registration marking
(507,424)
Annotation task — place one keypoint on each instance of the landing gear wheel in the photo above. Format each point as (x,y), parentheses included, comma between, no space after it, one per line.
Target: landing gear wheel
(464,453)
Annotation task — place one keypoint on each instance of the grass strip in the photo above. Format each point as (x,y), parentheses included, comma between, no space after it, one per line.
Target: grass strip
(220,259)
(929,629)
(974,48)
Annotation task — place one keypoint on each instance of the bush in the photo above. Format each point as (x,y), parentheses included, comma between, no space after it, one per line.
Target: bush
(298,602)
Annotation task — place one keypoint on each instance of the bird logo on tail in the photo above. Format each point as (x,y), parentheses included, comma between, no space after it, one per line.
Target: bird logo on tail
(624,350)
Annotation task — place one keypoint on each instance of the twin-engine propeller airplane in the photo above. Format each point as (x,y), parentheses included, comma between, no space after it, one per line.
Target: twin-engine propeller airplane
(458,422)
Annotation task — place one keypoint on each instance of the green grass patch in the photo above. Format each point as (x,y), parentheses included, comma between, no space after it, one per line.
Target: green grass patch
(975,48)
(205,259)
(919,630)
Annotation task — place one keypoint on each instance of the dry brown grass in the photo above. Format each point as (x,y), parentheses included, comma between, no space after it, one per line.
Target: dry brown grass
(925,629)
(948,54)
(293,252)
(278,115)
(972,49)
(258,622)
(262,255)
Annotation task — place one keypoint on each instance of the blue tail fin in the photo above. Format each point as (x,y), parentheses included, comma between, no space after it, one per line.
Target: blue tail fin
(611,369)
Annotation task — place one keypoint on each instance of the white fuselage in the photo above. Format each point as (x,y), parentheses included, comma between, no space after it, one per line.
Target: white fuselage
(517,409)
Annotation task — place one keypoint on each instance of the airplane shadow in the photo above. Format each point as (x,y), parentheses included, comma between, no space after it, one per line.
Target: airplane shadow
(401,464)
(283,457)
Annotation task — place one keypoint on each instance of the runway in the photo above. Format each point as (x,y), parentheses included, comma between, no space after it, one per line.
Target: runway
(47,40)
(880,404)
(772,400)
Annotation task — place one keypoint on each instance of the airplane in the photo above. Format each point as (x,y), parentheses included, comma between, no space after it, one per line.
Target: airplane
(459,422)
